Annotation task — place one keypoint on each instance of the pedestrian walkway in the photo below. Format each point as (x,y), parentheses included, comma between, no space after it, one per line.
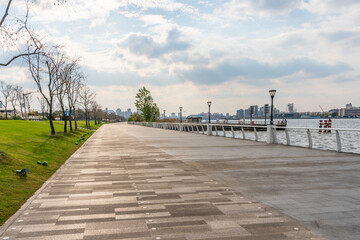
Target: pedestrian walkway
(119,185)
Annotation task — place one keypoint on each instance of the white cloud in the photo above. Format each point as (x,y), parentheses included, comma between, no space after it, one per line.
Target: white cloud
(167,5)
(128,43)
(16,75)
(245,9)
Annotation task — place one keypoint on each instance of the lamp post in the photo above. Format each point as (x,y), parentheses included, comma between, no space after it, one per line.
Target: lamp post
(164,116)
(209,104)
(180,114)
(24,95)
(272,95)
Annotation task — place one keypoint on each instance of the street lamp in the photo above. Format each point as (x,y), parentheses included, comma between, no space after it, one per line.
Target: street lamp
(180,114)
(209,104)
(164,116)
(272,95)
(24,95)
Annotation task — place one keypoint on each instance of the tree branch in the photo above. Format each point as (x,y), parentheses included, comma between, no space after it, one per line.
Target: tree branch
(6,13)
(17,56)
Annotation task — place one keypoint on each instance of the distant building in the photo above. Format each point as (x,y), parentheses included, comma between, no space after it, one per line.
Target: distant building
(192,119)
(247,112)
(349,111)
(118,112)
(290,108)
(276,111)
(256,110)
(240,114)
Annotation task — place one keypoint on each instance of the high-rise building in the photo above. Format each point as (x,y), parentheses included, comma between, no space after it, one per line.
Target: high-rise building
(349,111)
(118,112)
(290,108)
(240,113)
(256,110)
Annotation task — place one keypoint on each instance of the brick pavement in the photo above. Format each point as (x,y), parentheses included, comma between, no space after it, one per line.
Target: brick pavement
(118,187)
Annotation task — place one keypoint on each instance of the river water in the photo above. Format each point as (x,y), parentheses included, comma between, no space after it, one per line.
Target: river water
(350,140)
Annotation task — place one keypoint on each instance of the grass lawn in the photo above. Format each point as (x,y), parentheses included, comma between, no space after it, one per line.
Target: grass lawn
(22,144)
(83,124)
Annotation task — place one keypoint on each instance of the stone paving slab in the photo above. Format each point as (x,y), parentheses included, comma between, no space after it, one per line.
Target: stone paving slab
(320,189)
(117,186)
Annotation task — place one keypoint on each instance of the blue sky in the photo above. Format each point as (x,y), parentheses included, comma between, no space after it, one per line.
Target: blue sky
(228,51)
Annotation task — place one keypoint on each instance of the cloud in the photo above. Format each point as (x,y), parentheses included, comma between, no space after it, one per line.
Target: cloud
(349,39)
(166,5)
(330,6)
(145,45)
(244,9)
(254,72)
(126,78)
(17,75)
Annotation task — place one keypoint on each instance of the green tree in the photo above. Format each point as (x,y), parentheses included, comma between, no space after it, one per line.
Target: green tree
(144,102)
(135,117)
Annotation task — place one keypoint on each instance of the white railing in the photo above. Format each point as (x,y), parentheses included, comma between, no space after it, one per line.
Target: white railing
(326,138)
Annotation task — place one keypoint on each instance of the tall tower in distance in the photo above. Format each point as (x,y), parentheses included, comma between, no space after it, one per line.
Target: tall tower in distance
(290,108)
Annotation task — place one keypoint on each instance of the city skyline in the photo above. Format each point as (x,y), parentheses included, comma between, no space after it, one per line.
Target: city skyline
(186,53)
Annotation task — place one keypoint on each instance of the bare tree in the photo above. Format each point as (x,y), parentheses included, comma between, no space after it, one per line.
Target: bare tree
(86,97)
(63,72)
(95,107)
(13,98)
(44,70)
(100,114)
(6,92)
(42,103)
(19,98)
(28,101)
(15,31)
(72,85)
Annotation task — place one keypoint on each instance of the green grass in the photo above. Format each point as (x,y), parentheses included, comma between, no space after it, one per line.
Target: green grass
(83,125)
(22,144)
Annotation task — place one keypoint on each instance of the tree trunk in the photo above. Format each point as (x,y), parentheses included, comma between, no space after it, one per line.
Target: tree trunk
(51,122)
(15,113)
(65,123)
(5,113)
(70,123)
(89,119)
(75,119)
(21,109)
(52,126)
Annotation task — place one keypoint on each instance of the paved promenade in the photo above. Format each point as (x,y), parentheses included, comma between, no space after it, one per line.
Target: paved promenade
(132,182)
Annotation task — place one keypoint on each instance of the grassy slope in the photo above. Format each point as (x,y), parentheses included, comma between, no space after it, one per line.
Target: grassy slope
(22,144)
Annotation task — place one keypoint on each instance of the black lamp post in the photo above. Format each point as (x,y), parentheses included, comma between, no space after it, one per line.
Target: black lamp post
(180,114)
(209,104)
(272,95)
(24,95)
(164,116)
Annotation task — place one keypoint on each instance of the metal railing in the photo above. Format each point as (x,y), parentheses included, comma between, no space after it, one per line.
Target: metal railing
(269,133)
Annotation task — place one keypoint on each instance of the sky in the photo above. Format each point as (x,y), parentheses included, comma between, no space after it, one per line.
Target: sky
(231,52)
